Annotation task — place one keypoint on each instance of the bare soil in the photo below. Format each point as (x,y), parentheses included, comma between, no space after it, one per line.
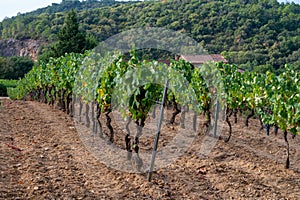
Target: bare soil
(43,157)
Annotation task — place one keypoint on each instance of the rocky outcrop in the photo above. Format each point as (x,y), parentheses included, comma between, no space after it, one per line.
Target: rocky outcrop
(13,47)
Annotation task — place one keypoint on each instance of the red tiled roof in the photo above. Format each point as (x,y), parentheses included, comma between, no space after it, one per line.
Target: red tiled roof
(200,59)
(218,58)
(167,62)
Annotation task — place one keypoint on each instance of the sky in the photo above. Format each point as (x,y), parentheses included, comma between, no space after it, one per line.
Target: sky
(296,1)
(9,8)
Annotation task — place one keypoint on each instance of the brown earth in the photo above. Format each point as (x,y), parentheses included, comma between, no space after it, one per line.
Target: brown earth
(43,157)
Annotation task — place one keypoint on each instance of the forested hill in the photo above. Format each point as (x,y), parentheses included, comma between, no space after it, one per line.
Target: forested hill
(250,33)
(66,5)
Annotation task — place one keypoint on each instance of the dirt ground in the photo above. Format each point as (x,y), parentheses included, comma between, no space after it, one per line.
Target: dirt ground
(43,157)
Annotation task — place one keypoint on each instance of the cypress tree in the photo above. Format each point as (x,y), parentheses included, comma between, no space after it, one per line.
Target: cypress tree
(70,38)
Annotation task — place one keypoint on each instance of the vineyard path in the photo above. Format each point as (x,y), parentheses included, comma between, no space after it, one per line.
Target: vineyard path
(42,157)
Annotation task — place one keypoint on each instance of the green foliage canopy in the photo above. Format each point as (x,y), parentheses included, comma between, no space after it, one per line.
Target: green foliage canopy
(260,33)
(14,67)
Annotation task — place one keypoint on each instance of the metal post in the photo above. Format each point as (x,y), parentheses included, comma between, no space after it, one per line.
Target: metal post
(158,131)
(216,118)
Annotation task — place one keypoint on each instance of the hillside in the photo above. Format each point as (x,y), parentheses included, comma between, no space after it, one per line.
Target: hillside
(255,34)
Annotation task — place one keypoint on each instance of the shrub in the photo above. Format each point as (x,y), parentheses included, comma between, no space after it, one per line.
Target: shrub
(3,90)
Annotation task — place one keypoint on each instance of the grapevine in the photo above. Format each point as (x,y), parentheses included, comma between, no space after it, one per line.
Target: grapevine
(91,79)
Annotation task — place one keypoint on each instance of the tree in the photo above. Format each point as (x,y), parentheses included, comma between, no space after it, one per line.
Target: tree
(70,38)
(14,67)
